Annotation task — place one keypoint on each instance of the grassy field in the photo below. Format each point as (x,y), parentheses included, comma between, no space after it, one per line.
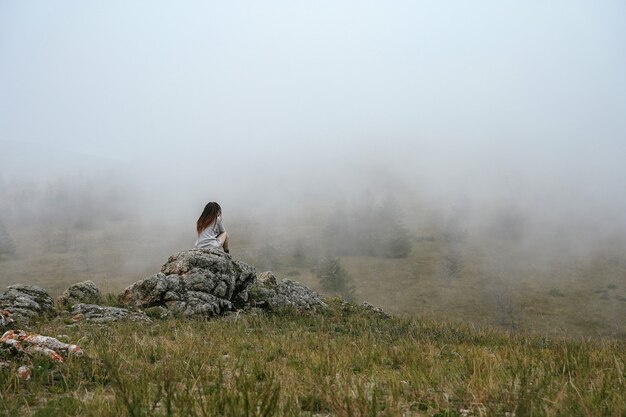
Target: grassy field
(476,332)
(348,361)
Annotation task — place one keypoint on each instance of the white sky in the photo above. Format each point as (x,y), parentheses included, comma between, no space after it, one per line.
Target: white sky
(456,94)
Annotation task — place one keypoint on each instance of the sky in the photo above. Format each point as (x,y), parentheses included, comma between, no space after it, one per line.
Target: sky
(249,101)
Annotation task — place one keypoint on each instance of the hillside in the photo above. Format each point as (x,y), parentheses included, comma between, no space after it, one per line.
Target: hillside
(482,282)
(348,361)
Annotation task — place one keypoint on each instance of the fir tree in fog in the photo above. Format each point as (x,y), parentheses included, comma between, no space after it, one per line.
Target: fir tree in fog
(7,247)
(334,279)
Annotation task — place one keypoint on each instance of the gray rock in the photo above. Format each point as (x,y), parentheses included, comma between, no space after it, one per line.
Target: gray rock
(20,343)
(270,294)
(151,291)
(266,279)
(85,292)
(194,283)
(374,309)
(26,302)
(158,312)
(198,304)
(208,282)
(101,314)
(6,321)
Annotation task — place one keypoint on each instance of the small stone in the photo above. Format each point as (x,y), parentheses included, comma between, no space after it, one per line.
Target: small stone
(77,317)
(374,309)
(24,372)
(266,279)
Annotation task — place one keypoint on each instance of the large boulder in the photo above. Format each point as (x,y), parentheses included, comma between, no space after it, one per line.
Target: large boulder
(197,282)
(26,302)
(102,314)
(271,294)
(85,292)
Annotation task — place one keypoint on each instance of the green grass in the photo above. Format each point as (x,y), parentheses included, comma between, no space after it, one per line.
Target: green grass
(345,362)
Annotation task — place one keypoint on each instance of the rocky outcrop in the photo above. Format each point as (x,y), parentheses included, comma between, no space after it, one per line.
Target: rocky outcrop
(25,302)
(85,292)
(194,283)
(208,282)
(270,294)
(100,314)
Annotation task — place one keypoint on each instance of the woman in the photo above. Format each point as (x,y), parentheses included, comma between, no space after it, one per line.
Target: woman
(211,233)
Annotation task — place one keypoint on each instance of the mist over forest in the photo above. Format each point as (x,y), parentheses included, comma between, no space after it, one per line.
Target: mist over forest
(463,161)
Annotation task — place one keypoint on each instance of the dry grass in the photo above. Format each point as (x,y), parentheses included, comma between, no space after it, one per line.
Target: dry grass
(346,362)
(431,361)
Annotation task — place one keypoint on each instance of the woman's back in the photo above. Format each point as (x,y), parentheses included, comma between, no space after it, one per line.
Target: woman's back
(211,233)
(208,237)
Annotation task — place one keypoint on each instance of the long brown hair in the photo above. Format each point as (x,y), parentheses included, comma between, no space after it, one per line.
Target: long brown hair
(208,216)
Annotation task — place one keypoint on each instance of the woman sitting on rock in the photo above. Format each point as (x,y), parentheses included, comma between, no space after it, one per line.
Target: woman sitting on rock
(211,233)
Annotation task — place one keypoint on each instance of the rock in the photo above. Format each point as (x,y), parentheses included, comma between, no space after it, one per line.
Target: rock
(268,293)
(374,309)
(26,302)
(6,322)
(152,291)
(158,312)
(208,282)
(101,314)
(194,283)
(21,346)
(19,343)
(85,292)
(266,279)
(24,372)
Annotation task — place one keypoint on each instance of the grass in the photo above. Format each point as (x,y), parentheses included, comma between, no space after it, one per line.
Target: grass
(348,361)
(477,332)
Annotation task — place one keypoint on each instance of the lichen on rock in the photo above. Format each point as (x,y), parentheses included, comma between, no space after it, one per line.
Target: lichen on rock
(102,314)
(83,292)
(27,302)
(19,344)
(270,294)
(6,321)
(194,283)
(209,282)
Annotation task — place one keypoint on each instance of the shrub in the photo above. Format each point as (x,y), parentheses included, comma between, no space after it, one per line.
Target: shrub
(334,279)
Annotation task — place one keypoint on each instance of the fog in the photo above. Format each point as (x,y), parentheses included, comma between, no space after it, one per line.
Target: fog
(464,115)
